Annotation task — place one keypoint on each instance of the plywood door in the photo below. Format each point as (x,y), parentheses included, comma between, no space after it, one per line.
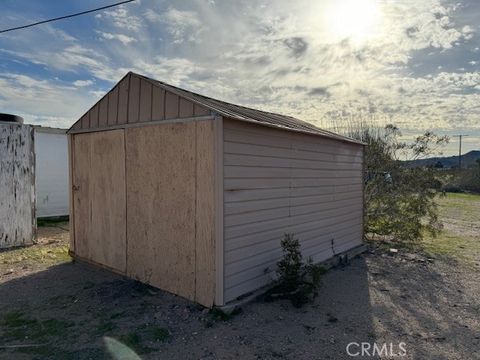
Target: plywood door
(161,206)
(99,198)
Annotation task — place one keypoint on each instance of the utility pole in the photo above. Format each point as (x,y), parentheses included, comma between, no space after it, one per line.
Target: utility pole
(460,136)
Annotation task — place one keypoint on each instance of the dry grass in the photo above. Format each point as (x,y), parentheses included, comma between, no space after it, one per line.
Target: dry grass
(460,238)
(51,249)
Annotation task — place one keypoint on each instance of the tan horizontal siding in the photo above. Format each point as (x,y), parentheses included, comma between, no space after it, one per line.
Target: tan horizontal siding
(275,193)
(237,132)
(245,235)
(252,148)
(309,234)
(276,172)
(288,211)
(241,207)
(236,184)
(255,277)
(274,161)
(266,261)
(278,182)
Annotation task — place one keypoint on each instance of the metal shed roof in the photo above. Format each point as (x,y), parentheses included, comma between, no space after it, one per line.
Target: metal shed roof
(243,113)
(228,110)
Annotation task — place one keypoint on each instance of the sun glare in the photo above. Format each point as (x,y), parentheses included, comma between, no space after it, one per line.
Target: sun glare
(357,20)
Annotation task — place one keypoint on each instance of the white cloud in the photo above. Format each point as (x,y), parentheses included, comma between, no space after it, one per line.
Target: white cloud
(282,59)
(122,19)
(41,101)
(124,39)
(182,25)
(83,83)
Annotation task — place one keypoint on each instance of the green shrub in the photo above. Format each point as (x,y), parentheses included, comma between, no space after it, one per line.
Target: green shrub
(297,280)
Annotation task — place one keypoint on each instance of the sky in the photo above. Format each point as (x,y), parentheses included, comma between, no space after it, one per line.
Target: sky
(412,63)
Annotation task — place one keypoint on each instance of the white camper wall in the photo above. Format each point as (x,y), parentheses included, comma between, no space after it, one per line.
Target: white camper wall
(51,162)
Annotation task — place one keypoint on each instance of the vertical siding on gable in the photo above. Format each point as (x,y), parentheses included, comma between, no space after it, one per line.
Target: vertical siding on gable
(94,117)
(85,121)
(134,100)
(103,112)
(158,103)
(185,108)
(145,101)
(171,105)
(199,110)
(112,106)
(123,89)
(278,182)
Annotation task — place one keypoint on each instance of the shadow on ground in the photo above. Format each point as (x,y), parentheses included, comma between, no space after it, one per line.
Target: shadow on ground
(65,311)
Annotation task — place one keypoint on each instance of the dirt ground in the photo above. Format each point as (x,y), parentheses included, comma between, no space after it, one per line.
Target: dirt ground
(52,308)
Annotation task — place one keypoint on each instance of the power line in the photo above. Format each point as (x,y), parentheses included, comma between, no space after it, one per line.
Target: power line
(66,16)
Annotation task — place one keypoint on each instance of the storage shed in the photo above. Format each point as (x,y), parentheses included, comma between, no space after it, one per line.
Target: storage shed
(193,195)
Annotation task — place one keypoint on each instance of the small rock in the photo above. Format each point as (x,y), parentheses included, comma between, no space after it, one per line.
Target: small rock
(332,319)
(8,272)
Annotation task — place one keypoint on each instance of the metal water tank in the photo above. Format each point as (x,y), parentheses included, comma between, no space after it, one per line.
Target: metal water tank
(11,118)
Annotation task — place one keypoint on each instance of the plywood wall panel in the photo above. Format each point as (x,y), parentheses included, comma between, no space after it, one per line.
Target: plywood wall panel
(171,105)
(145,101)
(158,103)
(123,90)
(161,206)
(70,193)
(112,106)
(81,151)
(205,214)
(99,198)
(134,100)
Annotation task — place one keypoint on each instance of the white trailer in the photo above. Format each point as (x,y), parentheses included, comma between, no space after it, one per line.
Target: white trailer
(51,180)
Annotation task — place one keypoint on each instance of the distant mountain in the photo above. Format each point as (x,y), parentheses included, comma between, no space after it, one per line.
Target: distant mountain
(468,159)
